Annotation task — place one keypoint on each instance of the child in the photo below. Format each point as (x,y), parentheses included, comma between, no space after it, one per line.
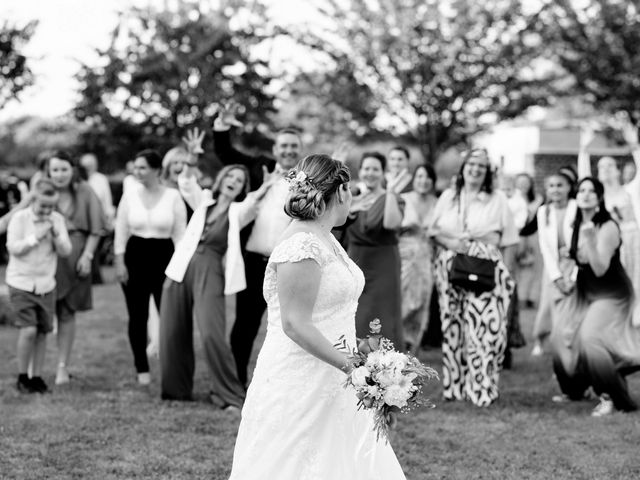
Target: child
(35,238)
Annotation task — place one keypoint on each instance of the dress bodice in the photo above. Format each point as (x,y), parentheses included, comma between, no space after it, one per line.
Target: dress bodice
(341,284)
(615,282)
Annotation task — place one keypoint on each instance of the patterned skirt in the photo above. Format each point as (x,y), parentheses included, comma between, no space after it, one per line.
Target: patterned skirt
(474,329)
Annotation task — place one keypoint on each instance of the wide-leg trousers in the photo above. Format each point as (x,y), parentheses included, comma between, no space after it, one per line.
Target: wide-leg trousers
(199,296)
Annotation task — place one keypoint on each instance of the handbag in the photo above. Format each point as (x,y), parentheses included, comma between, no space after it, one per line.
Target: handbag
(472,273)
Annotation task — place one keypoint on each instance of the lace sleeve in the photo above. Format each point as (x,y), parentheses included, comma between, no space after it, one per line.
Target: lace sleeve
(298,247)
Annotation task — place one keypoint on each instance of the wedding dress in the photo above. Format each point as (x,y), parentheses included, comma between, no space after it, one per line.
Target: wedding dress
(298,421)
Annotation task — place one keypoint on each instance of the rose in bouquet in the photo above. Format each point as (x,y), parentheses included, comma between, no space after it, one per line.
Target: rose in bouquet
(385,380)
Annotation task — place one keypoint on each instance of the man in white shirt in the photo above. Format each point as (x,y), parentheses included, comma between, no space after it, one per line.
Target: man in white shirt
(263,234)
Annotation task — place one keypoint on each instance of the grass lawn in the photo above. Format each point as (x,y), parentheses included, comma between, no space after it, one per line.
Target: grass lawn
(104,426)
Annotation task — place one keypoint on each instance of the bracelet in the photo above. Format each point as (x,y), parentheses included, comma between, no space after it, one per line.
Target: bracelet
(88,255)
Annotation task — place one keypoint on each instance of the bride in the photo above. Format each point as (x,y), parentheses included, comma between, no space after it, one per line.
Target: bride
(298,422)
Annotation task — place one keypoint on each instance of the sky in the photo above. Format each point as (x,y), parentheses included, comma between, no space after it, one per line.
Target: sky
(68,33)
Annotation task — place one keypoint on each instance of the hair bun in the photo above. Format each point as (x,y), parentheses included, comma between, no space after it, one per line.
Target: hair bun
(312,185)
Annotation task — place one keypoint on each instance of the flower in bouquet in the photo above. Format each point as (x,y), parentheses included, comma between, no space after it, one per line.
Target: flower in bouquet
(384,379)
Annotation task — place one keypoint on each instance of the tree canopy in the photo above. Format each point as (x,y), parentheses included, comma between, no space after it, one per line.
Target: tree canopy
(161,72)
(440,70)
(596,43)
(15,74)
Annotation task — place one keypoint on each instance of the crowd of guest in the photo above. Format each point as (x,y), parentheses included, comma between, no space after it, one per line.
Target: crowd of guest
(486,246)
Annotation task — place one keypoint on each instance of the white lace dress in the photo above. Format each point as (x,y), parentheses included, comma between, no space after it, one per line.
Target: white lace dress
(298,422)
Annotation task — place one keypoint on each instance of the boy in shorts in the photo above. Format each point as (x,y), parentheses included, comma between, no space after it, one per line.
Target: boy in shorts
(35,238)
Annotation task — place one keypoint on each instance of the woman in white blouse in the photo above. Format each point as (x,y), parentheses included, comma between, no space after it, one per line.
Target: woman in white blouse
(206,266)
(473,219)
(151,219)
(555,223)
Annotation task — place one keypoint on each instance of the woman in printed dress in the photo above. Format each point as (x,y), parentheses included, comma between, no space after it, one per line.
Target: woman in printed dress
(474,219)
(416,255)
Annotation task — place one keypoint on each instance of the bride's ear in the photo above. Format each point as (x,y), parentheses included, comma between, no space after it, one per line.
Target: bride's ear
(340,194)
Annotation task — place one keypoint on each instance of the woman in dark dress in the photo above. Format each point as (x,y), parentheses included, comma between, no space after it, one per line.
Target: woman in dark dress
(594,342)
(372,243)
(85,223)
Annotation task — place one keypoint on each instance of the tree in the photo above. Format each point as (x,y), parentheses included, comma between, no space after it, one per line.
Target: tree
(23,139)
(440,70)
(161,72)
(15,74)
(596,43)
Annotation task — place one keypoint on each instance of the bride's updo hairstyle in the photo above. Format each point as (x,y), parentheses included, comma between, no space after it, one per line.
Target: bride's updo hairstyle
(312,185)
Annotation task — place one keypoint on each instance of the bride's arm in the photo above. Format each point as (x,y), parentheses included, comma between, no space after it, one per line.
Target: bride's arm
(298,285)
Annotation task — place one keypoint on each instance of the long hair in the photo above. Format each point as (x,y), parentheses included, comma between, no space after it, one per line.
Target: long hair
(65,156)
(602,214)
(487,184)
(530,194)
(217,184)
(429,170)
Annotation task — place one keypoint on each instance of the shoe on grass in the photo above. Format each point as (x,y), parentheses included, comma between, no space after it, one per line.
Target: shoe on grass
(37,383)
(604,408)
(537,351)
(144,379)
(62,376)
(24,385)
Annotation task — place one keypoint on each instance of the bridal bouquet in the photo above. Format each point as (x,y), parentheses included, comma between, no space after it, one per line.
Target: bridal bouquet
(386,380)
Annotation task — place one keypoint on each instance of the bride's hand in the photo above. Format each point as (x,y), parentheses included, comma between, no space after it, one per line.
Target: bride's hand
(392,420)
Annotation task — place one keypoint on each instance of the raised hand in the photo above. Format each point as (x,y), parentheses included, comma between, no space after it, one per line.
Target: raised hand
(193,141)
(225,116)
(630,133)
(588,232)
(342,151)
(587,134)
(362,202)
(399,182)
(268,180)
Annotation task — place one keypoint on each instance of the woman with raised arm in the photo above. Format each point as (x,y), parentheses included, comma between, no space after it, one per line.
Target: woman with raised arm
(372,238)
(594,343)
(298,421)
(206,266)
(473,219)
(619,200)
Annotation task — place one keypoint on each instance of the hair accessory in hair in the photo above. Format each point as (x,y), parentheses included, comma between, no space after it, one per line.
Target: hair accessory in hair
(298,178)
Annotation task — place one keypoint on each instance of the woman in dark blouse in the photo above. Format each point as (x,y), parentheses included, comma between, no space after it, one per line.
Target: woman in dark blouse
(372,243)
